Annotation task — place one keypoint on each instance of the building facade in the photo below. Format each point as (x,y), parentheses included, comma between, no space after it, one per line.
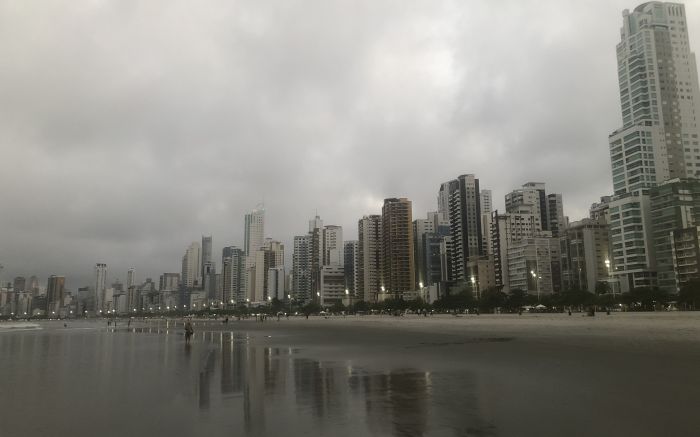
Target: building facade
(397,247)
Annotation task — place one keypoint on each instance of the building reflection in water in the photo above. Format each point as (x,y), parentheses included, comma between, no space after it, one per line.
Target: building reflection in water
(267,390)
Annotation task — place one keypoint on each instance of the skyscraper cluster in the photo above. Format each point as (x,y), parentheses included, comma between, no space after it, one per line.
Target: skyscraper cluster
(645,234)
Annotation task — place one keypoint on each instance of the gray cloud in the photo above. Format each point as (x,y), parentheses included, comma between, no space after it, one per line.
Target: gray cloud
(128,129)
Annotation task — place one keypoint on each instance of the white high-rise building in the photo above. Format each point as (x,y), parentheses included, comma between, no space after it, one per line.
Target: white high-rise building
(191,263)
(369,266)
(658,140)
(254,231)
(507,230)
(333,245)
(658,81)
(275,283)
(100,287)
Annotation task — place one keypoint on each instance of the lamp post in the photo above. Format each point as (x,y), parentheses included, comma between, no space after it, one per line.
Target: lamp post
(610,283)
(476,290)
(537,283)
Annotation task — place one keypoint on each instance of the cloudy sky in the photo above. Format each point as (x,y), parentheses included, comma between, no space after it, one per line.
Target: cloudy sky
(130,128)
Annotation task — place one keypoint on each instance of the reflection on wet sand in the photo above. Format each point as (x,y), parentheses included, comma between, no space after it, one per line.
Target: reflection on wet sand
(223,383)
(274,383)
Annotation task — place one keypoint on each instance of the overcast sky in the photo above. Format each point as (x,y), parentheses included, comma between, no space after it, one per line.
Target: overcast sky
(130,128)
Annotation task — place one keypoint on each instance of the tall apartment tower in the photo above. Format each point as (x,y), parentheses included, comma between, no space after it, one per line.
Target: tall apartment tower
(55,292)
(301,268)
(659,94)
(333,246)
(397,246)
(233,275)
(369,264)
(130,278)
(191,262)
(556,221)
(486,200)
(351,254)
(421,228)
(465,223)
(100,286)
(206,254)
(254,231)
(658,139)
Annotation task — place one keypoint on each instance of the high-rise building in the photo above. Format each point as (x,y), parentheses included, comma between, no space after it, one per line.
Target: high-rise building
(507,229)
(130,278)
(19,284)
(233,275)
(685,249)
(269,256)
(465,223)
(421,228)
(169,282)
(55,293)
(674,205)
(333,245)
(556,220)
(658,82)
(209,285)
(275,283)
(33,285)
(191,265)
(533,265)
(658,139)
(633,254)
(369,266)
(397,247)
(206,255)
(486,200)
(585,256)
(301,268)
(350,264)
(530,199)
(600,211)
(427,234)
(332,284)
(254,231)
(100,287)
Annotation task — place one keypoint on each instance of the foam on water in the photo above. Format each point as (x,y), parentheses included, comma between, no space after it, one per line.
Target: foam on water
(19,325)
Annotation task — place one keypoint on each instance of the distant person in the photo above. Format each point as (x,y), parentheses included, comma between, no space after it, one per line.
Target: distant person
(569,311)
(65,325)
(189,330)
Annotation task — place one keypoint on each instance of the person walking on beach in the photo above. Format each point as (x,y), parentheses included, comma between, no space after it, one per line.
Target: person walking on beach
(189,330)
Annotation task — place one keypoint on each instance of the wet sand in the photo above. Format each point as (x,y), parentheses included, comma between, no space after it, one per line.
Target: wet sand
(624,374)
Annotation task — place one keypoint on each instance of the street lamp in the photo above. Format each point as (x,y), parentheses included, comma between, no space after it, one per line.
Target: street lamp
(537,283)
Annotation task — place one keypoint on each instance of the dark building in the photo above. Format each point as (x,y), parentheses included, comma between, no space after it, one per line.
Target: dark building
(397,246)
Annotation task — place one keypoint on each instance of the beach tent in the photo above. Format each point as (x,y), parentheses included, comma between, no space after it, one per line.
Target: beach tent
(540,307)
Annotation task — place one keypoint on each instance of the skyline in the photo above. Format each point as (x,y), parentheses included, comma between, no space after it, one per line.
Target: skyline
(131,137)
